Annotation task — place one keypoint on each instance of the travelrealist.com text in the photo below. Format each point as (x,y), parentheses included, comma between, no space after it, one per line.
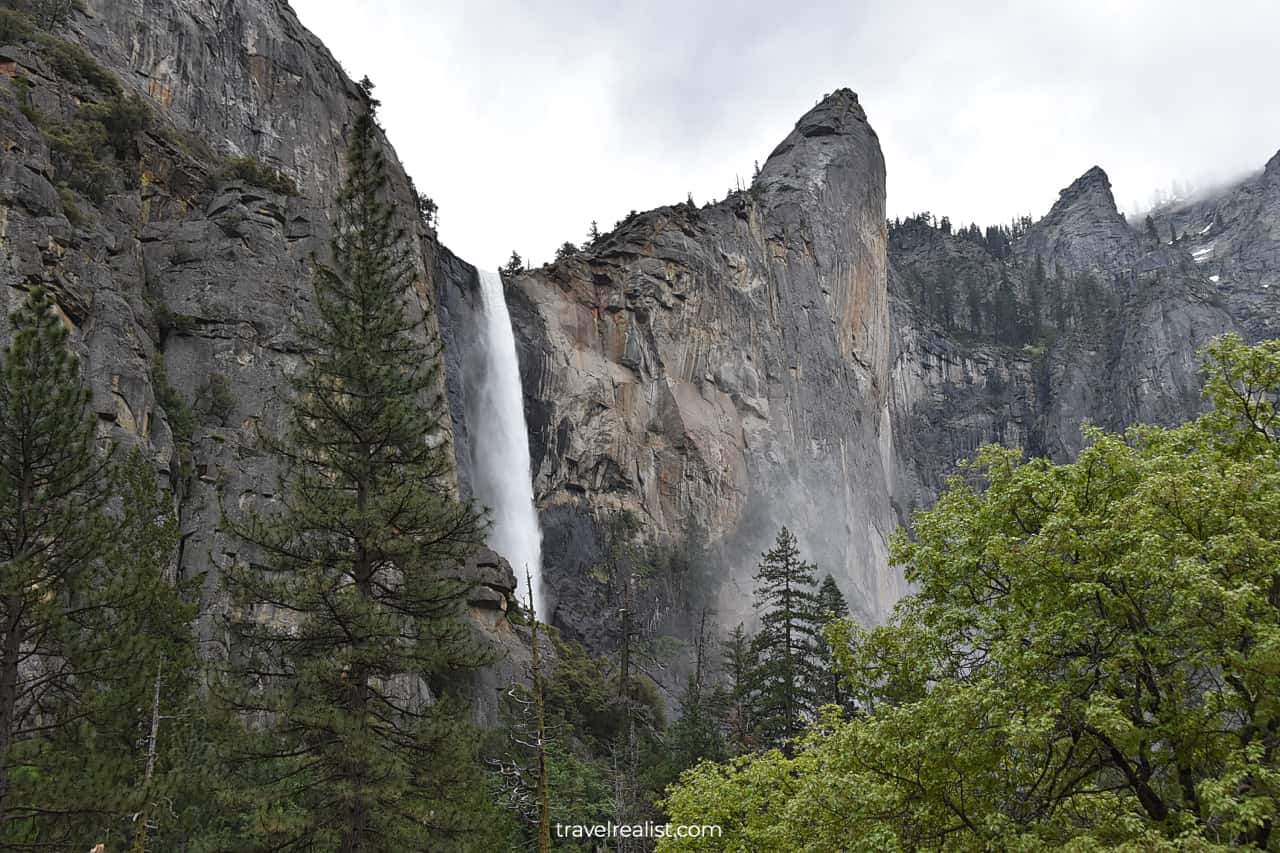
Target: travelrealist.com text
(648,829)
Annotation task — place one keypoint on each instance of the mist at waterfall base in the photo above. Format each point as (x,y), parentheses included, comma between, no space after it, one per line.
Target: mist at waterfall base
(502,477)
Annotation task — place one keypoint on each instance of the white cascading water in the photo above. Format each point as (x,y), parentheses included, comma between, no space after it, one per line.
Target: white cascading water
(502,474)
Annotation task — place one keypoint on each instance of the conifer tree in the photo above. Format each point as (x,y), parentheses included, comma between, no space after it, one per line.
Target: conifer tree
(593,234)
(737,660)
(52,491)
(515,265)
(831,606)
(787,604)
(146,743)
(97,651)
(945,299)
(350,629)
(696,735)
(1011,324)
(1059,309)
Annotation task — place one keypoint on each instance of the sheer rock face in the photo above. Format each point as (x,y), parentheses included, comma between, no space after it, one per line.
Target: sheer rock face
(1140,364)
(1233,238)
(737,367)
(725,366)
(178,267)
(1083,231)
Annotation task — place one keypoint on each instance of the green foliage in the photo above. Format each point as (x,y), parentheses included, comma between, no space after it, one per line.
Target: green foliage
(71,208)
(52,532)
(96,649)
(15,27)
(74,64)
(831,606)
(428,210)
(124,755)
(786,601)
(738,663)
(354,613)
(168,320)
(96,152)
(581,790)
(182,421)
(696,735)
(1091,659)
(255,173)
(579,692)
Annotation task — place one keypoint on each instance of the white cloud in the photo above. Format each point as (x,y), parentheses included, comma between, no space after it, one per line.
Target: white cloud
(526,121)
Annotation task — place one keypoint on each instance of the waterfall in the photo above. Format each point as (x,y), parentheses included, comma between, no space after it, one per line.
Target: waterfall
(501,471)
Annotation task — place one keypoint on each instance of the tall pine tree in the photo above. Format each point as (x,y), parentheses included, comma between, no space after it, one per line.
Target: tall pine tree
(351,628)
(789,623)
(52,533)
(738,663)
(831,606)
(97,655)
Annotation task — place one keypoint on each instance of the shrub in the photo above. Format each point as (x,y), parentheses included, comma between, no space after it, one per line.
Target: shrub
(81,158)
(15,27)
(53,13)
(182,423)
(428,210)
(71,209)
(167,320)
(255,173)
(73,63)
(22,91)
(123,118)
(96,150)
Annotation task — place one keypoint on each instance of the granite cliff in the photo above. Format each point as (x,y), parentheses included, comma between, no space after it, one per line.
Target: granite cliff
(168,172)
(712,372)
(1112,318)
(724,368)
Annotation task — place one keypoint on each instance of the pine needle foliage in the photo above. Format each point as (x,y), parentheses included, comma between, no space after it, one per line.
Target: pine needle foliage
(52,491)
(96,654)
(786,599)
(349,627)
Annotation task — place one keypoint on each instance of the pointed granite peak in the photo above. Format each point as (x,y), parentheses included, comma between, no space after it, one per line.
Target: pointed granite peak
(833,115)
(1084,230)
(1093,188)
(834,135)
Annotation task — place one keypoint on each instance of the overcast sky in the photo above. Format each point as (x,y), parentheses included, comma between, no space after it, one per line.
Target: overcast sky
(526,120)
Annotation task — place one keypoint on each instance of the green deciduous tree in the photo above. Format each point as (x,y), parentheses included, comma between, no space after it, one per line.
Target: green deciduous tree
(1091,659)
(350,628)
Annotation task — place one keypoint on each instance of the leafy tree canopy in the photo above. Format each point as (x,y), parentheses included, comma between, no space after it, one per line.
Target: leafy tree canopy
(1091,660)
